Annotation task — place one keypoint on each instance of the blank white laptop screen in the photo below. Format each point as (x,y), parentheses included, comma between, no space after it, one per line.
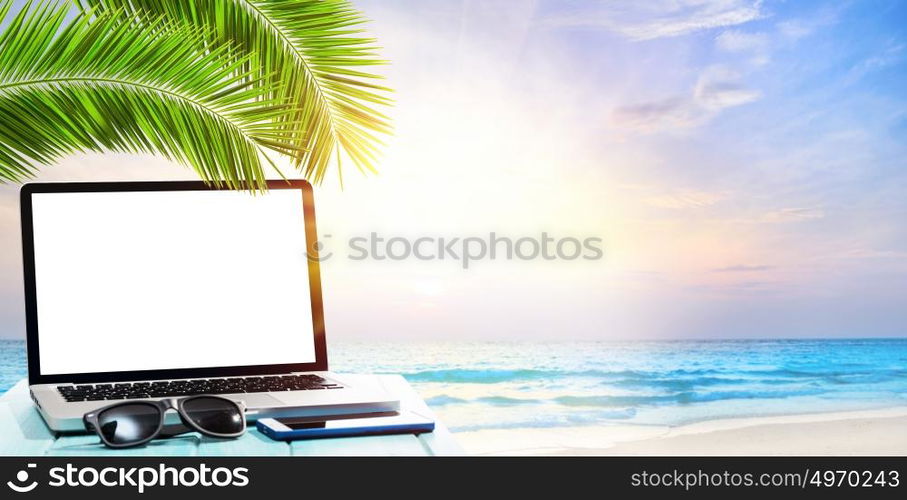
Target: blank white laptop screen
(157,280)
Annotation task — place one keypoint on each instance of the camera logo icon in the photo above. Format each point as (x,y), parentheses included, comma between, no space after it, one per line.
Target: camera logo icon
(19,485)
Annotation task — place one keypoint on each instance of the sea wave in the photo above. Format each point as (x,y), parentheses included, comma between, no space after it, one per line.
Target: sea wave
(616,401)
(445,399)
(495,376)
(668,378)
(542,420)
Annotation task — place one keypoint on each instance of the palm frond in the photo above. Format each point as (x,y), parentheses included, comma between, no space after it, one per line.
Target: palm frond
(314,50)
(94,83)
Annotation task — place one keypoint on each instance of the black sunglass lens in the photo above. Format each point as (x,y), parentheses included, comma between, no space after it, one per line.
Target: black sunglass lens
(215,415)
(129,423)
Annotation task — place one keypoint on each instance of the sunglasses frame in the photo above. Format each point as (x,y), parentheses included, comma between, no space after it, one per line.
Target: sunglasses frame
(90,419)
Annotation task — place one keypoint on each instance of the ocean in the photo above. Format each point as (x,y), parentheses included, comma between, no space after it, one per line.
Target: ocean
(494,385)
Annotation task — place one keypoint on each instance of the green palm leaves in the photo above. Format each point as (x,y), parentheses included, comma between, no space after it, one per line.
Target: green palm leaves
(214,84)
(106,85)
(310,52)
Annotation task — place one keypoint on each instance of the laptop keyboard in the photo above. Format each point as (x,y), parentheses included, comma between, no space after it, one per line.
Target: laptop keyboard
(192,387)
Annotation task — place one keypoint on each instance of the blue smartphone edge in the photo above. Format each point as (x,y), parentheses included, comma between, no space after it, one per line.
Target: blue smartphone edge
(411,428)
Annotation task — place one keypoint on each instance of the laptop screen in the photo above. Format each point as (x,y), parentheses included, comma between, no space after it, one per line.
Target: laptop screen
(157,280)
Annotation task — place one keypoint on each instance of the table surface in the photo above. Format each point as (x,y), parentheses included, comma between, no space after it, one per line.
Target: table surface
(24,433)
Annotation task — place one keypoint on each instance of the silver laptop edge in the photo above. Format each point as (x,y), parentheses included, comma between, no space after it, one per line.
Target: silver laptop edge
(360,395)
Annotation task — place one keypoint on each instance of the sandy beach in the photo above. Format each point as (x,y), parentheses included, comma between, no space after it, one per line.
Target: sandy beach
(874,432)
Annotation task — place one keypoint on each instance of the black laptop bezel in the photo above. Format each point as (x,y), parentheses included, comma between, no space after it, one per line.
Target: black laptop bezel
(31,305)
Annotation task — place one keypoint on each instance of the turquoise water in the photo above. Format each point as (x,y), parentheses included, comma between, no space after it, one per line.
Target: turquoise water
(514,385)
(12,363)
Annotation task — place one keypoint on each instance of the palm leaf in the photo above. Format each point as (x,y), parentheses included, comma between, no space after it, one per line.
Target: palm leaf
(314,50)
(94,83)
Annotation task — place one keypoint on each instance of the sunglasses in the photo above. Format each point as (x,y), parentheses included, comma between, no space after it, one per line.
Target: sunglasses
(132,423)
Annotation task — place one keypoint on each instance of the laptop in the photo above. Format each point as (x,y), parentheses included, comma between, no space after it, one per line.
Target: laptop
(148,290)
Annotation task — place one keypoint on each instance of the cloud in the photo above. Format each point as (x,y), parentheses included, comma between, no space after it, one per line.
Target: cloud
(869,253)
(718,88)
(685,199)
(794,214)
(669,113)
(758,45)
(742,268)
(720,95)
(745,287)
(662,18)
(891,54)
(795,29)
(741,41)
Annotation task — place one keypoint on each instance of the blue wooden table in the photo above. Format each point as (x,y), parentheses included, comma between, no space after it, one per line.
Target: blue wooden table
(23,433)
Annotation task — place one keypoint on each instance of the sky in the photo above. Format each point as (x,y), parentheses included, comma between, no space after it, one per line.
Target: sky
(743,163)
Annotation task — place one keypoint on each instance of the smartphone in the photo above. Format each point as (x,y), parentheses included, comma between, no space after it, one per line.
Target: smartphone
(361,424)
